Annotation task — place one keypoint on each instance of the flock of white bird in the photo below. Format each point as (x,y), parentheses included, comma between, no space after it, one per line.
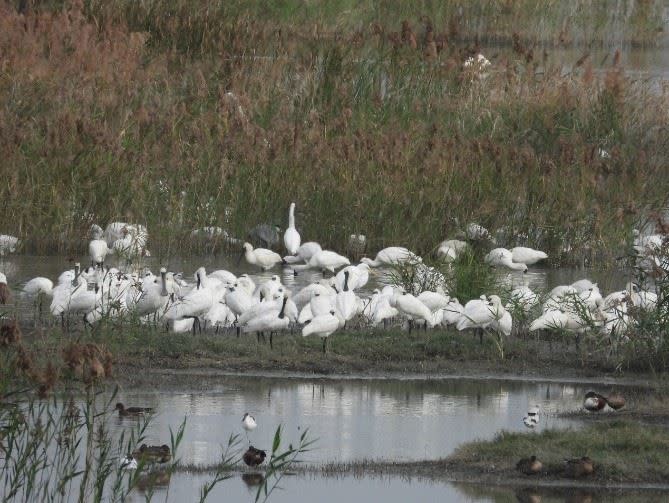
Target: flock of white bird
(220,299)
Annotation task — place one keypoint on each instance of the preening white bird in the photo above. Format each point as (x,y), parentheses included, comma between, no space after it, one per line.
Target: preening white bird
(132,244)
(199,300)
(36,287)
(522,298)
(346,301)
(527,256)
(324,260)
(557,319)
(434,300)
(259,309)
(413,308)
(380,308)
(291,238)
(358,276)
(450,249)
(501,257)
(304,296)
(261,257)
(245,282)
(483,313)
(390,256)
(226,277)
(270,321)
(98,250)
(452,312)
(322,304)
(267,289)
(304,253)
(153,295)
(580,286)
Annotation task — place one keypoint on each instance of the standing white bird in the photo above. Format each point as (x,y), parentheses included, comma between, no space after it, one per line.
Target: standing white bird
(291,238)
(323,326)
(503,257)
(261,257)
(483,313)
(527,256)
(249,424)
(270,321)
(97,247)
(392,255)
(346,301)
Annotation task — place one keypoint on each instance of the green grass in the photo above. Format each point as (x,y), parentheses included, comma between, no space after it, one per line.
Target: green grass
(622,451)
(148,134)
(354,350)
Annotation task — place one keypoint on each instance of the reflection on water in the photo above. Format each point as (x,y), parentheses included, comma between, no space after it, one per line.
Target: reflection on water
(388,490)
(352,419)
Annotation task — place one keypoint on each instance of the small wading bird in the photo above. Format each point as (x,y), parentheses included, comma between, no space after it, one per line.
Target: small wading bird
(532,418)
(249,424)
(132,411)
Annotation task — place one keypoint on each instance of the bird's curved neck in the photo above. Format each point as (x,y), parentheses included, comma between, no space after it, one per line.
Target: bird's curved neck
(291,216)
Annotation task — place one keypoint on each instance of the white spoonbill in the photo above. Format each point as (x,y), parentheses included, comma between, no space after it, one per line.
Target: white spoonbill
(392,255)
(304,253)
(291,238)
(323,326)
(413,308)
(527,256)
(450,249)
(261,257)
(97,247)
(324,260)
(502,257)
(358,276)
(270,321)
(5,294)
(346,301)
(37,287)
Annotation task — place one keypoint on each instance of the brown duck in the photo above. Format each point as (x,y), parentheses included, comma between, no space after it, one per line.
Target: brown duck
(578,467)
(595,402)
(153,453)
(254,457)
(529,466)
(131,411)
